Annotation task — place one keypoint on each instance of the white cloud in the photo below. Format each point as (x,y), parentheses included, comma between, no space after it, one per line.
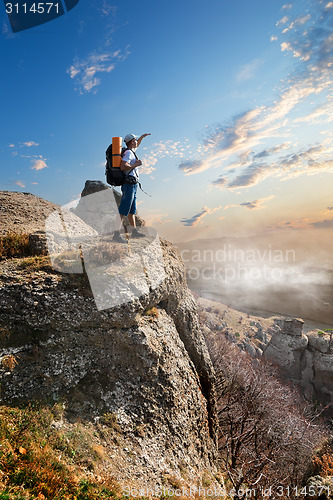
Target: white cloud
(30,143)
(322,114)
(299,21)
(163,149)
(20,183)
(84,72)
(246,151)
(39,165)
(311,161)
(284,20)
(249,130)
(148,165)
(310,36)
(107,8)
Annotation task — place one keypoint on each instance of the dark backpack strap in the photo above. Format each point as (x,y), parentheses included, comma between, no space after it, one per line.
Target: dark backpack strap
(128,149)
(122,154)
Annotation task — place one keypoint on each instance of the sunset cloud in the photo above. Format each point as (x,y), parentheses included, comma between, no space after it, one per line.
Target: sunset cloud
(256,204)
(189,166)
(197,218)
(323,224)
(251,205)
(250,176)
(248,149)
(328,211)
(220,182)
(320,115)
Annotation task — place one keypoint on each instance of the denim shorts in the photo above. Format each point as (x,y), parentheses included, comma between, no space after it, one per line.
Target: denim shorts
(128,199)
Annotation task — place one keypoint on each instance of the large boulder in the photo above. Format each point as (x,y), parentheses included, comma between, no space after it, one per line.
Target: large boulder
(306,359)
(286,348)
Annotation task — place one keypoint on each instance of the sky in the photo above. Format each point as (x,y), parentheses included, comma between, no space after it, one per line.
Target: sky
(237,97)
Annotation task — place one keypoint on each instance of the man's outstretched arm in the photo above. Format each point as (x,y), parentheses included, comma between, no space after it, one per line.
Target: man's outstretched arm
(142,137)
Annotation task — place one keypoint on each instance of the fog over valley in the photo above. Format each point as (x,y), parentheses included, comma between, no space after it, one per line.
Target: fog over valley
(288,273)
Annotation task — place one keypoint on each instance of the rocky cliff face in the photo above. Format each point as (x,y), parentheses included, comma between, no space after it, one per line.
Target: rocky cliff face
(144,361)
(306,359)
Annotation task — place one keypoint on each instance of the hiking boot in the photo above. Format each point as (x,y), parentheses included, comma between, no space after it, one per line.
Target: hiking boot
(118,238)
(137,234)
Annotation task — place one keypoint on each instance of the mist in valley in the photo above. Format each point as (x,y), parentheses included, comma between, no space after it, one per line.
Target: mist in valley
(288,273)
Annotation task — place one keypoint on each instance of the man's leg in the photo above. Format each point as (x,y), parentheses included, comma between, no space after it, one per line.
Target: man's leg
(131,216)
(126,204)
(119,223)
(131,220)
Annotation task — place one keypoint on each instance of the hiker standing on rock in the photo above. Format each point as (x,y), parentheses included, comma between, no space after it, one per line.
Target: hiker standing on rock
(129,164)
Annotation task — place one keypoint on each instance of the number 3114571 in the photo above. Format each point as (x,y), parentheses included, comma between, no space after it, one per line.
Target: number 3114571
(35,8)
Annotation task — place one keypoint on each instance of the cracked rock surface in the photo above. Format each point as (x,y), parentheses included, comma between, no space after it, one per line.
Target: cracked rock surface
(145,362)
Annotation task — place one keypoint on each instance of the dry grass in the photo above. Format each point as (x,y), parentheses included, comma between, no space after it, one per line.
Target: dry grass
(9,362)
(37,263)
(14,245)
(323,461)
(40,460)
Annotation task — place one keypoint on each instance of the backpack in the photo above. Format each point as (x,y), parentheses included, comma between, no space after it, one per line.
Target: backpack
(114,175)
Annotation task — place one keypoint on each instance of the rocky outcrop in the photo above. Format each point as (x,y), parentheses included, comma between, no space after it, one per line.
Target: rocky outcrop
(286,348)
(23,212)
(88,206)
(144,361)
(306,359)
(87,216)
